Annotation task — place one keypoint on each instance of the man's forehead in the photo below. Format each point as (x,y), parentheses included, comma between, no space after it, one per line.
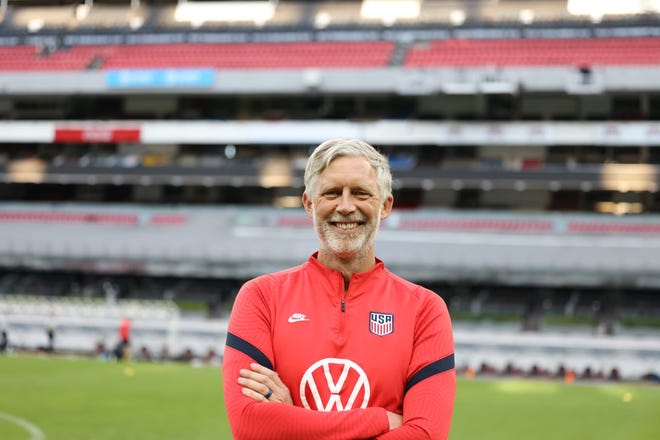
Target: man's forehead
(349,170)
(353,162)
(335,180)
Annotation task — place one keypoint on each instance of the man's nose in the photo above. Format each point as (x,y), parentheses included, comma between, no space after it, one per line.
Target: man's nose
(346,203)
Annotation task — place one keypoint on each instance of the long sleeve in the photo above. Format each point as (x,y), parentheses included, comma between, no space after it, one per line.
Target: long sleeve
(427,410)
(250,325)
(265,420)
(346,356)
(428,404)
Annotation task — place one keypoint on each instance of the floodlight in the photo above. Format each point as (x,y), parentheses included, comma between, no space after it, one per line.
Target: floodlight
(457,17)
(600,8)
(526,16)
(136,22)
(389,11)
(35,25)
(199,12)
(322,20)
(628,177)
(619,208)
(82,10)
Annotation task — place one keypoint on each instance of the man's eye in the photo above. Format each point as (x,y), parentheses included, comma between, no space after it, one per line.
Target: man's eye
(331,194)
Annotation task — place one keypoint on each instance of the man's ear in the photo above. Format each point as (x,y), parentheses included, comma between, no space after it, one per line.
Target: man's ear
(387,207)
(307,204)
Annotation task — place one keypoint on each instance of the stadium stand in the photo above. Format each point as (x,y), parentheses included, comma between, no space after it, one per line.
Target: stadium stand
(161,160)
(84,326)
(251,55)
(201,55)
(22,58)
(535,52)
(452,52)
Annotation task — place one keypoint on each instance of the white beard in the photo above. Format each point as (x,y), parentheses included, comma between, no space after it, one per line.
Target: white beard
(343,243)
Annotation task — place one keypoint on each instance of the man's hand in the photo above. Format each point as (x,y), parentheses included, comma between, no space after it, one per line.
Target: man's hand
(259,380)
(396,420)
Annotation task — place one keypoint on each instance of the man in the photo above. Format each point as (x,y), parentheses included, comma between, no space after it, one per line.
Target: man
(50,335)
(123,350)
(369,353)
(4,340)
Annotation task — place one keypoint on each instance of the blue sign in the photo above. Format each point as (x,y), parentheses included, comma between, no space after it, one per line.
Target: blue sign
(140,78)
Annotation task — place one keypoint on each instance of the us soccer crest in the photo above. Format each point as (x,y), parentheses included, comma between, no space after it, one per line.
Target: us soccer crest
(381,324)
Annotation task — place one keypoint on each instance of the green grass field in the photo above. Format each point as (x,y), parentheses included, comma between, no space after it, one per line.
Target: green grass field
(86,399)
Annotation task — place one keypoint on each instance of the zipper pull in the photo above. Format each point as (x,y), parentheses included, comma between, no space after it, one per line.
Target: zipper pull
(343,305)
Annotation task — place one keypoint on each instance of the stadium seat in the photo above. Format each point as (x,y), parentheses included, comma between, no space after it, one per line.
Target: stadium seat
(535,52)
(250,55)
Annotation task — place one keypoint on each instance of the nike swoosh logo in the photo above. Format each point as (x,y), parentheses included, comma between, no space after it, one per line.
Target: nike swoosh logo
(297,317)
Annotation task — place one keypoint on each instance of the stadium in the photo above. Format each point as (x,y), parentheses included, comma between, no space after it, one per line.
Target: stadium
(152,156)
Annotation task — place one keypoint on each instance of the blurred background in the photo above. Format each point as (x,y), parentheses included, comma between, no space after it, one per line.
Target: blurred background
(152,153)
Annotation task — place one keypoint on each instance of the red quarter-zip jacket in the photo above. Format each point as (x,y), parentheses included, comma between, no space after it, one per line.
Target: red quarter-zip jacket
(347,356)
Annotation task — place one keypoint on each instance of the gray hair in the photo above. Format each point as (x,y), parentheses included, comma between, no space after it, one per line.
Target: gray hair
(331,149)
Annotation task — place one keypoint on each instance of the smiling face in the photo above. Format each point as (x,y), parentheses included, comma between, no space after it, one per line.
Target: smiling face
(347,208)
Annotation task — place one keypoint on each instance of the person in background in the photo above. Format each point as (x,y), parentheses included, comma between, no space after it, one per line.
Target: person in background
(4,339)
(124,348)
(50,333)
(339,347)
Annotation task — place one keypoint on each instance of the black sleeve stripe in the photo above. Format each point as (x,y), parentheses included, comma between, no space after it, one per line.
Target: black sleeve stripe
(444,364)
(245,347)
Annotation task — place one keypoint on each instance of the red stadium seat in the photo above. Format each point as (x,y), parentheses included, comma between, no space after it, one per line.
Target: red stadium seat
(19,58)
(356,54)
(251,55)
(536,52)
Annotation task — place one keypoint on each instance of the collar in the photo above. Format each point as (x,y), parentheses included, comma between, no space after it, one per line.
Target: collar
(336,279)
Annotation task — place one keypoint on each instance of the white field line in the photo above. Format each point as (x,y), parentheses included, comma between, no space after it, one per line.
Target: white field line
(35,432)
